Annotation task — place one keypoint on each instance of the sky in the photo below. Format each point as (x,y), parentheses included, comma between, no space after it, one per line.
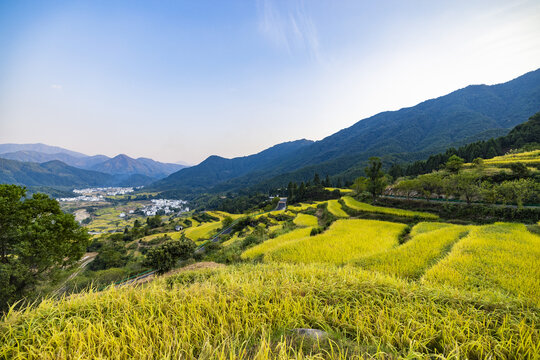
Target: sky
(178,80)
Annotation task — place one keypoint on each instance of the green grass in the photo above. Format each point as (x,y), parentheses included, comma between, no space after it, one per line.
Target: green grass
(356,205)
(247,312)
(503,257)
(334,207)
(344,241)
(306,220)
(413,258)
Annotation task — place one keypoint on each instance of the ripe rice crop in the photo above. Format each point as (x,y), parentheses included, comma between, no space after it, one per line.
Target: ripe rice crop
(413,258)
(352,203)
(306,220)
(502,256)
(344,241)
(334,207)
(248,312)
(203,231)
(424,227)
(528,158)
(272,244)
(301,207)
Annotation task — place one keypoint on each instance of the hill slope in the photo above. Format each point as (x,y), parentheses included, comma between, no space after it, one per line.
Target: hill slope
(123,164)
(215,169)
(414,133)
(53,173)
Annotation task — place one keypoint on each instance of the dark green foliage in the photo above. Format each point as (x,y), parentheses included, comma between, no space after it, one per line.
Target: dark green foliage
(36,237)
(468,213)
(454,164)
(53,173)
(376,182)
(520,170)
(153,221)
(466,115)
(165,256)
(204,217)
(521,135)
(111,254)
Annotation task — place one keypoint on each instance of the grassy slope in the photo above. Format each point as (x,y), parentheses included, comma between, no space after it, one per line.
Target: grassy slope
(504,257)
(306,220)
(354,204)
(344,241)
(413,258)
(248,311)
(334,207)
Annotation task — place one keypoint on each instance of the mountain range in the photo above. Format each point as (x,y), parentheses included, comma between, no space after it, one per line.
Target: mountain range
(474,113)
(44,165)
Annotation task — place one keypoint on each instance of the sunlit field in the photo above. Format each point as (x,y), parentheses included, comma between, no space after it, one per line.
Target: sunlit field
(306,220)
(334,207)
(344,241)
(503,257)
(203,231)
(272,244)
(249,312)
(413,258)
(356,205)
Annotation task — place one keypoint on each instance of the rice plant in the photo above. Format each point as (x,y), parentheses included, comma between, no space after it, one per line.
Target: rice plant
(249,312)
(503,257)
(344,241)
(354,204)
(306,220)
(272,244)
(413,258)
(334,207)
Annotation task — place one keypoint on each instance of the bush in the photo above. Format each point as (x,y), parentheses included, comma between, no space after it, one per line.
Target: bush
(164,257)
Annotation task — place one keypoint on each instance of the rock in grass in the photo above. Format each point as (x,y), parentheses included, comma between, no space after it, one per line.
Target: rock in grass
(314,334)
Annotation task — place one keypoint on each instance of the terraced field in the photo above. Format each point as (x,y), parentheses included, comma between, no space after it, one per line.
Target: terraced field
(356,205)
(306,220)
(203,231)
(334,207)
(413,258)
(343,242)
(271,245)
(503,257)
(250,311)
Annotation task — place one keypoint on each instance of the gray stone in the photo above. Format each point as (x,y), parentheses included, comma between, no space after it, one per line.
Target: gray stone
(314,334)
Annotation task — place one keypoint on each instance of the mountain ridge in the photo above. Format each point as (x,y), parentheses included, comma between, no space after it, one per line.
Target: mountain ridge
(421,130)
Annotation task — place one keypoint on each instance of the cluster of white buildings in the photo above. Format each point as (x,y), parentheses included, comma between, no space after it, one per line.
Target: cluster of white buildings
(110,191)
(168,207)
(83,198)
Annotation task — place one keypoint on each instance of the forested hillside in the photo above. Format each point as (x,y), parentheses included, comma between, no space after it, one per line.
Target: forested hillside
(473,113)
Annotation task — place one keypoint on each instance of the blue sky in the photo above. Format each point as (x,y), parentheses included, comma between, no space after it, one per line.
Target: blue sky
(182,80)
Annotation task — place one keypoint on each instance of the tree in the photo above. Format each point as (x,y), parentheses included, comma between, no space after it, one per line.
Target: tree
(376,179)
(430,184)
(395,171)
(36,238)
(520,170)
(316,180)
(360,184)
(464,185)
(154,221)
(454,164)
(227,221)
(518,191)
(165,256)
(407,187)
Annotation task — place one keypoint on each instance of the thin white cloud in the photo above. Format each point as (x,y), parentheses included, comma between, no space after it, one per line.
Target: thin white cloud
(56,86)
(290,28)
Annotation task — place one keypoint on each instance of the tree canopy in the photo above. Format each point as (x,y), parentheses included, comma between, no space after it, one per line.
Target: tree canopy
(36,237)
